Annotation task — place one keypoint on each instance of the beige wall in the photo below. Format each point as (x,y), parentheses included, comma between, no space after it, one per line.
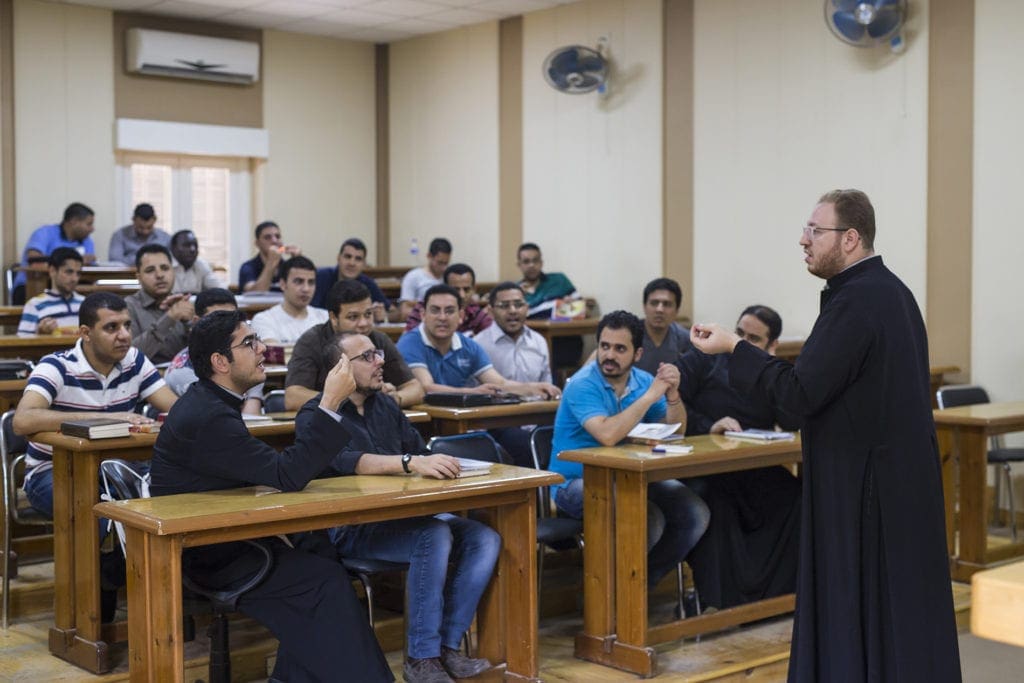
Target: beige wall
(319,182)
(444,146)
(592,176)
(784,112)
(997,322)
(64,115)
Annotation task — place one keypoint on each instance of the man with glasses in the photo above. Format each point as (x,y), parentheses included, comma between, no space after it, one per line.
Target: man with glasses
(305,600)
(475,318)
(349,309)
(874,600)
(450,558)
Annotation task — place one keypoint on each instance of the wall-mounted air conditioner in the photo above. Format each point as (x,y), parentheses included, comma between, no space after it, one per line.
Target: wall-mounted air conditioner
(182,55)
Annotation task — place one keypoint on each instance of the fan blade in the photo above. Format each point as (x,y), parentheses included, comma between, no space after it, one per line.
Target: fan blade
(845,5)
(886,21)
(848,26)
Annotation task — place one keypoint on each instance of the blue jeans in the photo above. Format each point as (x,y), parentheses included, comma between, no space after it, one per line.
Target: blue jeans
(676,519)
(441,602)
(39,491)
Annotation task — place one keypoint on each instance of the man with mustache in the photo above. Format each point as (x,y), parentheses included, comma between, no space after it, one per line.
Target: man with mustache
(450,558)
(602,403)
(285,322)
(874,600)
(159,318)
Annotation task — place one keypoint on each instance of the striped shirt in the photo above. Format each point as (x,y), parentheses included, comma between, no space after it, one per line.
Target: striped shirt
(68,383)
(49,304)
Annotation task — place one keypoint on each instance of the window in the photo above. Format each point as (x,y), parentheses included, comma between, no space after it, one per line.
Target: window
(210,196)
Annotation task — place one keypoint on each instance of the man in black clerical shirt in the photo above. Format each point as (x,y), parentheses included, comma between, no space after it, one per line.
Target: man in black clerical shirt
(306,601)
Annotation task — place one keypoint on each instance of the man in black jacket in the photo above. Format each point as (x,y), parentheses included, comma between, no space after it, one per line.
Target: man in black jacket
(874,600)
(306,601)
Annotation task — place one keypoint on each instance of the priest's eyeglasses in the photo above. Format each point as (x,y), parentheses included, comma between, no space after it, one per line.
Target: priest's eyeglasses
(812,233)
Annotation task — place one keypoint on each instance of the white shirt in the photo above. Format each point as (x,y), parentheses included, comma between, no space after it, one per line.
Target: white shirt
(524,359)
(275,323)
(416,283)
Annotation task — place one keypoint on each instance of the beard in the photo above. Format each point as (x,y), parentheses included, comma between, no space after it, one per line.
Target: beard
(830,263)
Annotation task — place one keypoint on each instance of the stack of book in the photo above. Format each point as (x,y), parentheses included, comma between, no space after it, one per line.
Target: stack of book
(761,435)
(96,428)
(473,468)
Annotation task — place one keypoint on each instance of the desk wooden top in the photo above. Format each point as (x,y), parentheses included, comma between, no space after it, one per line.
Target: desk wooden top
(997,604)
(483,412)
(393,330)
(8,385)
(413,416)
(35,347)
(253,506)
(557,328)
(709,450)
(77,443)
(988,415)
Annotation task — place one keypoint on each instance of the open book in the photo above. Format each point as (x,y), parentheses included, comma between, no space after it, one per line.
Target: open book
(761,435)
(654,433)
(473,468)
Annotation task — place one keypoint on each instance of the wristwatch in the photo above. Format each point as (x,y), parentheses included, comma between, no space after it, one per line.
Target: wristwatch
(406,458)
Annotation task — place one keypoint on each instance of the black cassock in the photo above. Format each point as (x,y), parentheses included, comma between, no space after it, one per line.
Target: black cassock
(874,600)
(750,549)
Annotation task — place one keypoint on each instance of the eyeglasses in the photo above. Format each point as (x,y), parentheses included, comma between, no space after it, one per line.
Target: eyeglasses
(369,355)
(439,312)
(252,341)
(813,233)
(515,305)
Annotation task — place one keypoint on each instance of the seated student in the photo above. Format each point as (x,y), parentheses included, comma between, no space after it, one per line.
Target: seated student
(102,375)
(137,234)
(750,549)
(450,558)
(602,403)
(73,231)
(664,338)
(418,280)
(475,318)
(285,322)
(191,273)
(443,359)
(159,318)
(259,274)
(180,374)
(351,261)
(541,288)
(56,309)
(306,601)
(349,310)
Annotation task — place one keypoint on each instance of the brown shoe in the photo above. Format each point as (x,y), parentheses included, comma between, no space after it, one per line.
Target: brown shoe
(425,671)
(459,665)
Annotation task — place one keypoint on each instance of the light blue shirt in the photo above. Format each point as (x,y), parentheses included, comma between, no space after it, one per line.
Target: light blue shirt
(45,239)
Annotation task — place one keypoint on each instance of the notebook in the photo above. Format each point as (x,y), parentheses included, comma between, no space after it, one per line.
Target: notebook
(473,468)
(456,400)
(761,435)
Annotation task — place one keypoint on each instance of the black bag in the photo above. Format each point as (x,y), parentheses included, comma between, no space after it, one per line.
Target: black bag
(15,368)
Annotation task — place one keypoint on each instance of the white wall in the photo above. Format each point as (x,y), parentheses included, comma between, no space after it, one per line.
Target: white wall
(997,324)
(783,113)
(592,167)
(319,108)
(63,115)
(444,146)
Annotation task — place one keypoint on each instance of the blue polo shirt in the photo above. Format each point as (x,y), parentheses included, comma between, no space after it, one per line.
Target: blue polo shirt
(460,367)
(45,239)
(326,277)
(588,395)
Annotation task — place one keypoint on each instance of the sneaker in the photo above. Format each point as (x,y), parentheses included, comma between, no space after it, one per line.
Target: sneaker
(459,665)
(425,671)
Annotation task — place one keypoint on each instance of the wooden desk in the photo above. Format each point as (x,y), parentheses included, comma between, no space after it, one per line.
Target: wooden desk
(378,272)
(997,604)
(615,628)
(550,329)
(393,330)
(158,529)
(10,316)
(10,393)
(970,428)
(449,421)
(34,348)
(90,274)
(77,634)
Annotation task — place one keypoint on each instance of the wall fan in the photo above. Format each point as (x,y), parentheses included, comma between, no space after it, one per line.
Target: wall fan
(864,23)
(576,69)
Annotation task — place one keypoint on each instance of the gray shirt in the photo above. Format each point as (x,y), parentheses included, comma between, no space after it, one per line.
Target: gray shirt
(677,340)
(124,243)
(155,333)
(197,278)
(524,359)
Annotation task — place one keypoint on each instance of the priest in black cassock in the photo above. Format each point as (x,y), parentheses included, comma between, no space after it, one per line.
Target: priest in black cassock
(874,600)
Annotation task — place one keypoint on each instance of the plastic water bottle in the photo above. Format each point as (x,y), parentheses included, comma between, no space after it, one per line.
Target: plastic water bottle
(414,247)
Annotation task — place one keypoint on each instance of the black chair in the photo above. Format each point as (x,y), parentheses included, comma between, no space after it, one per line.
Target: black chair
(474,445)
(998,454)
(273,401)
(557,533)
(122,481)
(16,507)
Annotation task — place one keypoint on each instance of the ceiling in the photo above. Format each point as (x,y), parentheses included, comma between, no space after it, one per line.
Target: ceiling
(379,21)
